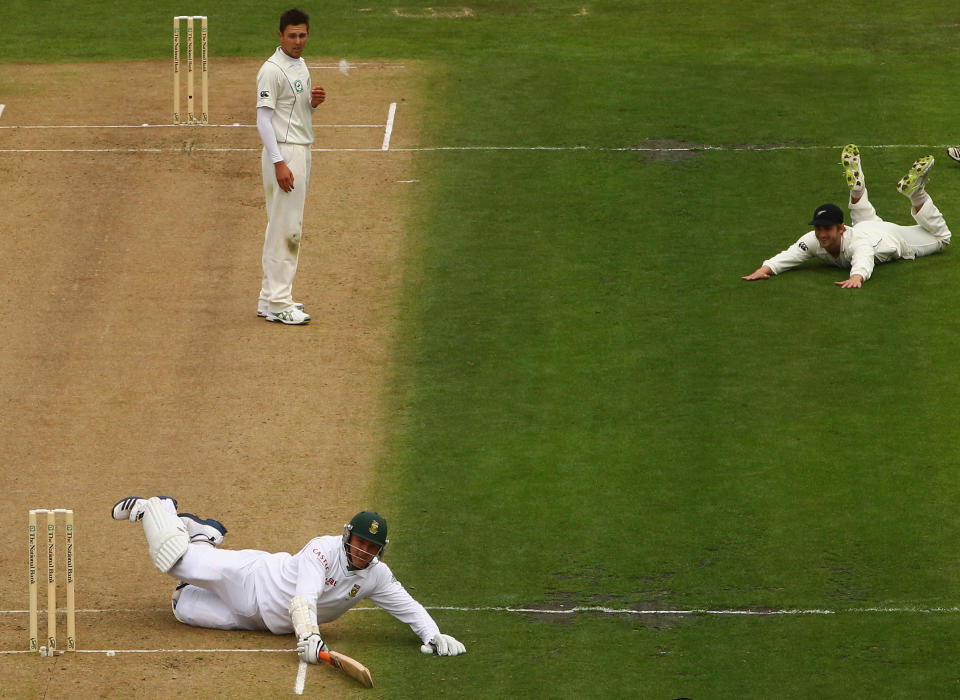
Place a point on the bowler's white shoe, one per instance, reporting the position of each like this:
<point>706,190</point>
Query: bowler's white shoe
<point>954,153</point>
<point>292,316</point>
<point>262,308</point>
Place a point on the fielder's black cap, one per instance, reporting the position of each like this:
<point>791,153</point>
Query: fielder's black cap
<point>827,215</point>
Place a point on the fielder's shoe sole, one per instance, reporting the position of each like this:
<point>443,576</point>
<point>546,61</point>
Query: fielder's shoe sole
<point>954,153</point>
<point>916,176</point>
<point>850,160</point>
<point>262,311</point>
<point>291,316</point>
<point>205,530</point>
<point>125,506</point>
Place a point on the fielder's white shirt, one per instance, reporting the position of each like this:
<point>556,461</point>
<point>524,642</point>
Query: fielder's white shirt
<point>283,85</point>
<point>861,247</point>
<point>319,572</point>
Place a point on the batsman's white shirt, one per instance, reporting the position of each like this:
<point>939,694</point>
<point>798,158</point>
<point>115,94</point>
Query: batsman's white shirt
<point>251,589</point>
<point>870,240</point>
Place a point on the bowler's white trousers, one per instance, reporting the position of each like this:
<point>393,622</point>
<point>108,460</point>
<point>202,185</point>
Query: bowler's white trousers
<point>281,242</point>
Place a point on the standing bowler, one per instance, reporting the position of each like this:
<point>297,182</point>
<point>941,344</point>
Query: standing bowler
<point>285,105</point>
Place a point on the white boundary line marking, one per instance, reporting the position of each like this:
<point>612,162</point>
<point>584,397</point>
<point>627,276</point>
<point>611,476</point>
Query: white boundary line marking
<point>388,129</point>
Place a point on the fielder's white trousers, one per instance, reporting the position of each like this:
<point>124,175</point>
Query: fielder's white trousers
<point>929,236</point>
<point>281,242</point>
<point>221,594</point>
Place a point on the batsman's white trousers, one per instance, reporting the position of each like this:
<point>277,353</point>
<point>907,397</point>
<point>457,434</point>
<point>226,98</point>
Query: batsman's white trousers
<point>929,236</point>
<point>281,241</point>
<point>222,593</point>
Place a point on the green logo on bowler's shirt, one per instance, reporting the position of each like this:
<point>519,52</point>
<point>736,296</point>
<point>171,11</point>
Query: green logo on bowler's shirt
<point>298,86</point>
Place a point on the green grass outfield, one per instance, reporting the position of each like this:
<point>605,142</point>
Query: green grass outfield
<point>590,408</point>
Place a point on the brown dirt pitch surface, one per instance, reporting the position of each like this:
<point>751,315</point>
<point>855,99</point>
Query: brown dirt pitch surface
<point>133,362</point>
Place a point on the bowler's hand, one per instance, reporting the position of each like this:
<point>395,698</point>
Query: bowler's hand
<point>317,95</point>
<point>855,282</point>
<point>284,176</point>
<point>761,273</point>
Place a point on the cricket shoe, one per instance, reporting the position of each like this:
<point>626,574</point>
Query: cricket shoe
<point>850,160</point>
<point>262,309</point>
<point>208,531</point>
<point>954,153</point>
<point>916,176</point>
<point>131,507</point>
<point>292,316</point>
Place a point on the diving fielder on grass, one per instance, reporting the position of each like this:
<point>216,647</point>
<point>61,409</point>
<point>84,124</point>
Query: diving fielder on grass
<point>869,239</point>
<point>283,593</point>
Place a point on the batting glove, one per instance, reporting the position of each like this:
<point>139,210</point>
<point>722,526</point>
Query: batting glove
<point>309,647</point>
<point>444,645</point>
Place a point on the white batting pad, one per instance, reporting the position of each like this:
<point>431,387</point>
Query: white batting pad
<point>166,535</point>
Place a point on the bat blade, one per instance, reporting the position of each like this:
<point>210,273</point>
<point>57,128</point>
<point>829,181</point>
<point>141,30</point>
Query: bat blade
<point>350,667</point>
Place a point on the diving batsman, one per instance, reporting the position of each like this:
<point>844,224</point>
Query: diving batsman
<point>280,592</point>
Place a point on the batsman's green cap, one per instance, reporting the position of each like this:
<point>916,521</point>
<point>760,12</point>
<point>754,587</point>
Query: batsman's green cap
<point>369,526</point>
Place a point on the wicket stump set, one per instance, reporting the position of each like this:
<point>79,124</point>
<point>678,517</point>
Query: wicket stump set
<point>191,116</point>
<point>50,649</point>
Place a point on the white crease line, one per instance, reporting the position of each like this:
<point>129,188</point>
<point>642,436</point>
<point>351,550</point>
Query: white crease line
<point>167,651</point>
<point>597,609</point>
<point>354,65</point>
<point>301,678</point>
<point>388,130</point>
<point>174,126</point>
<point>696,611</point>
<point>538,611</point>
<point>428,149</point>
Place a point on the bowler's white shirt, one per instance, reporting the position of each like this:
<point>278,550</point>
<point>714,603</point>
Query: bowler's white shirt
<point>283,85</point>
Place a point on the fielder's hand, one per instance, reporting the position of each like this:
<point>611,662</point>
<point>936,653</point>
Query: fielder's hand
<point>444,645</point>
<point>309,647</point>
<point>855,282</point>
<point>761,273</point>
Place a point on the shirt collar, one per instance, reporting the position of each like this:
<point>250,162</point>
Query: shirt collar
<point>291,61</point>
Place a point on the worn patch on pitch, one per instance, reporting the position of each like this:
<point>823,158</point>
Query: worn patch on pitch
<point>433,12</point>
<point>666,150</point>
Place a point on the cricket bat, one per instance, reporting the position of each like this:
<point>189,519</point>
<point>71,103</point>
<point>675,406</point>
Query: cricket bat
<point>351,667</point>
